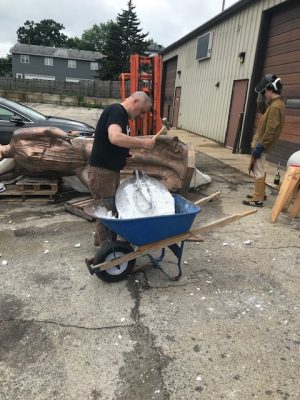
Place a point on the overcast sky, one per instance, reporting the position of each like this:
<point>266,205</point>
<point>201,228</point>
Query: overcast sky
<point>165,20</point>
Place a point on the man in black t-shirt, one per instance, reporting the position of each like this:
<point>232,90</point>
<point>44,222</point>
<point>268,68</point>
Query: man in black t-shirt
<point>111,149</point>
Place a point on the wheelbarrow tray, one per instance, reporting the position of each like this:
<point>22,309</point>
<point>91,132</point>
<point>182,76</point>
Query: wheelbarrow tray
<point>141,231</point>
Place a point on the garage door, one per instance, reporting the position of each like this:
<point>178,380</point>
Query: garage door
<point>282,58</point>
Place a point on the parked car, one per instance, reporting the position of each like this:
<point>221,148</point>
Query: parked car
<point>15,115</point>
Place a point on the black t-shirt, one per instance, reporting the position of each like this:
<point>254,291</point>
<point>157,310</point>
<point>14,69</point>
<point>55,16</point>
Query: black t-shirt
<point>104,153</point>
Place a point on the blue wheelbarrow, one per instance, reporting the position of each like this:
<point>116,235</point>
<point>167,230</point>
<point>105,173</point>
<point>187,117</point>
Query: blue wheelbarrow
<point>115,260</point>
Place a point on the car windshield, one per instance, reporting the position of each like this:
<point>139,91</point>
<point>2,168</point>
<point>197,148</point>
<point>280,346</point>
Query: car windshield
<point>26,111</point>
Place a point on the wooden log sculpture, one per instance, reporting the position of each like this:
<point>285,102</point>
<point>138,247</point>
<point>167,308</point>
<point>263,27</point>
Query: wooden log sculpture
<point>52,152</point>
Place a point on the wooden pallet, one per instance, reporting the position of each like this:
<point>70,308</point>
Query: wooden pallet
<point>30,189</point>
<point>76,207</point>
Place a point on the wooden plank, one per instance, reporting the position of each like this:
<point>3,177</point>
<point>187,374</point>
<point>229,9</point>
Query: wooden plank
<point>76,207</point>
<point>205,200</point>
<point>289,184</point>
<point>79,212</point>
<point>295,209</point>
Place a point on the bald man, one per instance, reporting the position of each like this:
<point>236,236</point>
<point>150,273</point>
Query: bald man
<point>110,150</point>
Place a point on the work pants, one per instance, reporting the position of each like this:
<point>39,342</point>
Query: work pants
<point>103,183</point>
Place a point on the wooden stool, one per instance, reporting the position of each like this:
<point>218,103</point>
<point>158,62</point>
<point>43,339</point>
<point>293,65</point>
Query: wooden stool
<point>289,187</point>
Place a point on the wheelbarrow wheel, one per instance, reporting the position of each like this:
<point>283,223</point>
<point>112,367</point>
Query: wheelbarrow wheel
<point>109,252</point>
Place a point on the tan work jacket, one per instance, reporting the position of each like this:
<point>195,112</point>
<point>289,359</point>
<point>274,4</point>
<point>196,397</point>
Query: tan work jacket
<point>270,125</point>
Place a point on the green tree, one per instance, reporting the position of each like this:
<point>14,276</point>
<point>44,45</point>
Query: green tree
<point>5,66</point>
<point>112,48</point>
<point>124,38</point>
<point>133,40</point>
<point>80,44</point>
<point>96,36</point>
<point>43,33</point>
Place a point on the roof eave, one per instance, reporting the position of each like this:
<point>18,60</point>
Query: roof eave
<point>219,17</point>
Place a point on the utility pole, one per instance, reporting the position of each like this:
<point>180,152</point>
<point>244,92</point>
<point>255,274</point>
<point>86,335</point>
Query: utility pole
<point>223,5</point>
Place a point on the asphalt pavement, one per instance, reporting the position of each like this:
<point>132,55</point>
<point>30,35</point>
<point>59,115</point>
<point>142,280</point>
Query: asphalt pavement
<point>228,329</point>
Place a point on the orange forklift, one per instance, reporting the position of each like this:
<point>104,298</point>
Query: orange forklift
<point>145,75</point>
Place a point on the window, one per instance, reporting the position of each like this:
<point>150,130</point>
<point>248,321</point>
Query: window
<point>48,61</point>
<point>19,76</point>
<point>24,58</point>
<point>71,63</point>
<point>41,77</point>
<point>5,114</point>
<point>94,66</point>
<point>74,80</point>
<point>204,44</point>
<point>293,103</point>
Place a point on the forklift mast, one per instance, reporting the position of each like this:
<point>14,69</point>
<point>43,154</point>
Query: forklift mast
<point>145,75</point>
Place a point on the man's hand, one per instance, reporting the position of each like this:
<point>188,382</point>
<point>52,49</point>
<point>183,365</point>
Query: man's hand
<point>148,143</point>
<point>257,151</point>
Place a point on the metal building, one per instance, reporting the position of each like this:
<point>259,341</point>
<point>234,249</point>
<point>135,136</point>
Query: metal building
<point>209,75</point>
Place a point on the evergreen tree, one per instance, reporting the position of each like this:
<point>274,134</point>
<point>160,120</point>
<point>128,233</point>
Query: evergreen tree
<point>124,38</point>
<point>133,40</point>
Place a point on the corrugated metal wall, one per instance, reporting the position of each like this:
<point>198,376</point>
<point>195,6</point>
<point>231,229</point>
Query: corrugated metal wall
<point>204,108</point>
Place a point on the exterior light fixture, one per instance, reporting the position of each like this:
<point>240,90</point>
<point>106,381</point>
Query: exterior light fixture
<point>242,55</point>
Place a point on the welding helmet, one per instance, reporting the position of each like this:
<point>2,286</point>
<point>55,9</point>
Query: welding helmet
<point>270,82</point>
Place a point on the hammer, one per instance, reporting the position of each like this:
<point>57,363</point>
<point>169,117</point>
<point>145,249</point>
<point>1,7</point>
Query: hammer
<point>162,130</point>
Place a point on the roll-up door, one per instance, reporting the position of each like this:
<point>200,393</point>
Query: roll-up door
<point>282,58</point>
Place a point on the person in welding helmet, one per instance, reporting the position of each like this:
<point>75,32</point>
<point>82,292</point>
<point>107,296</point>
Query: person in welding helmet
<point>272,106</point>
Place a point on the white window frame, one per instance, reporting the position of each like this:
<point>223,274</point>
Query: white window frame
<point>24,59</point>
<point>42,77</point>
<point>71,63</point>
<point>48,61</point>
<point>19,76</point>
<point>94,66</point>
<point>208,34</point>
<point>74,80</point>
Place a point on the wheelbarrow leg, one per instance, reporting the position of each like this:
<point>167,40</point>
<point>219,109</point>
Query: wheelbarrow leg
<point>177,250</point>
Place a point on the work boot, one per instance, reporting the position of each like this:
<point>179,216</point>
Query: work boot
<point>259,194</point>
<point>253,203</point>
<point>250,196</point>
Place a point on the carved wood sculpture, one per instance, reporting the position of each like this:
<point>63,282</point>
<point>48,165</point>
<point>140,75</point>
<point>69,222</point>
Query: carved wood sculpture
<point>52,152</point>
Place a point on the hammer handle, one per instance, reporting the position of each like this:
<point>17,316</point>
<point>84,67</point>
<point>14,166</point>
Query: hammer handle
<point>163,129</point>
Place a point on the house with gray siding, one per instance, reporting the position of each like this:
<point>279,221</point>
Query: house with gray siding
<point>52,63</point>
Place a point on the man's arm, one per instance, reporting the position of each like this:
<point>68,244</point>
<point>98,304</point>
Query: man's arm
<point>118,138</point>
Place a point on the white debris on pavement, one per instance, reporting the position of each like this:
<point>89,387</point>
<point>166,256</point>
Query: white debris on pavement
<point>185,262</point>
<point>46,251</point>
<point>77,245</point>
<point>4,263</point>
<point>225,244</point>
<point>247,242</point>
